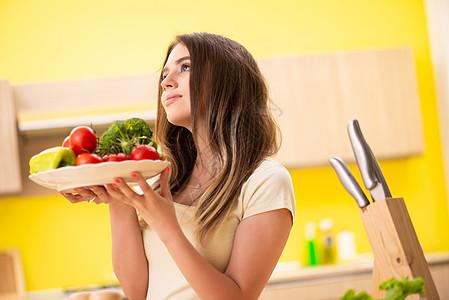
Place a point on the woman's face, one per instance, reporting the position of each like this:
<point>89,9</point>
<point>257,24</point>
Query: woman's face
<point>176,87</point>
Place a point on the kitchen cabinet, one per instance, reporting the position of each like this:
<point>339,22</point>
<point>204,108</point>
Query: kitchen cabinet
<point>53,108</point>
<point>315,96</point>
<point>331,282</point>
<point>10,179</point>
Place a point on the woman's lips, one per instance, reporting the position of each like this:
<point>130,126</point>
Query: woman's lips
<point>171,98</point>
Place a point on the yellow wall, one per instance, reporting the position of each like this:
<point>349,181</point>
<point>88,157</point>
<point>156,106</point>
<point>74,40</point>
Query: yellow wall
<point>46,40</point>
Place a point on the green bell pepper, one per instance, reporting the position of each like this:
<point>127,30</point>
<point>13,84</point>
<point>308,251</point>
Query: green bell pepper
<point>52,158</point>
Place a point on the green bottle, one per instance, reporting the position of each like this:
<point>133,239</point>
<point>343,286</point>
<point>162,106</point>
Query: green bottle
<point>311,252</point>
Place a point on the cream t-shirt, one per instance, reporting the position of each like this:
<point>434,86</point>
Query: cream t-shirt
<point>268,188</point>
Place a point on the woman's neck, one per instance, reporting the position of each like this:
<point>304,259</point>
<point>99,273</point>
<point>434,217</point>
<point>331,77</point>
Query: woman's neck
<point>205,165</point>
<point>205,161</point>
<point>203,171</point>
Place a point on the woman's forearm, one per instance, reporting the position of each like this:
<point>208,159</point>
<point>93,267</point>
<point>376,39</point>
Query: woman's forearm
<point>128,254</point>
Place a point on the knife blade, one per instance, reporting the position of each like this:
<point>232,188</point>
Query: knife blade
<point>348,181</point>
<point>369,168</point>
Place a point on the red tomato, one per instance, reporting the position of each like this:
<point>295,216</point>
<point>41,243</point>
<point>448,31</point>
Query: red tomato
<point>144,152</point>
<point>88,158</point>
<point>83,139</point>
<point>66,142</point>
<point>115,157</point>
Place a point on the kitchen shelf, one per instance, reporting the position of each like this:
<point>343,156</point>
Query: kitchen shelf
<point>54,108</point>
<point>63,125</point>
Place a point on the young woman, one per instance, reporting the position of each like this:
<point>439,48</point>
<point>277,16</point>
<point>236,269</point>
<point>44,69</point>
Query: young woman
<point>214,226</point>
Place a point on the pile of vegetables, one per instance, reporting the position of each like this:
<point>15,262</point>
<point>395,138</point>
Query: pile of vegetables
<point>125,139</point>
<point>397,289</point>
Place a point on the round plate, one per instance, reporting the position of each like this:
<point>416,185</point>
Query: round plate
<point>65,179</point>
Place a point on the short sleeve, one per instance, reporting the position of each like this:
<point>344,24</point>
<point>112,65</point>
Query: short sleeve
<point>268,188</point>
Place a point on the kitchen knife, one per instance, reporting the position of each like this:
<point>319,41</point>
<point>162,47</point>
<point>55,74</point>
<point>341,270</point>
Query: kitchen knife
<point>348,181</point>
<point>369,168</point>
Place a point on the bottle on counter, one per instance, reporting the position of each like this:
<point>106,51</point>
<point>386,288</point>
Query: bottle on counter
<point>327,242</point>
<point>346,247</point>
<point>311,253</point>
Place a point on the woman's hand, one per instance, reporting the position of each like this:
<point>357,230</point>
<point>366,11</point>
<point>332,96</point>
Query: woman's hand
<point>156,209</point>
<point>96,194</point>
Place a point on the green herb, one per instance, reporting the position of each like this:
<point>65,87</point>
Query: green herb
<point>400,289</point>
<point>397,289</point>
<point>350,295</point>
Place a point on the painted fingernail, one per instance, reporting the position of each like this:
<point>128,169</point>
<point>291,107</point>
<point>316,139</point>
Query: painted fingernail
<point>113,185</point>
<point>117,181</point>
<point>168,170</point>
<point>62,194</point>
<point>133,175</point>
<point>76,190</point>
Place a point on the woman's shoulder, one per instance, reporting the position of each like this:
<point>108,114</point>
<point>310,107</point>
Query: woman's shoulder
<point>269,168</point>
<point>269,172</point>
<point>269,187</point>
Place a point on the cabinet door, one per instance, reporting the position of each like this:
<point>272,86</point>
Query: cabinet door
<point>10,179</point>
<point>315,96</point>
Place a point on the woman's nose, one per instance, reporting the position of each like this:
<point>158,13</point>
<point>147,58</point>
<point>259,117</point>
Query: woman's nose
<point>169,81</point>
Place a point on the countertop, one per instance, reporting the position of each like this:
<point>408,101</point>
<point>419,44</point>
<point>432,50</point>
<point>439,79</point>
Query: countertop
<point>288,271</point>
<point>291,272</point>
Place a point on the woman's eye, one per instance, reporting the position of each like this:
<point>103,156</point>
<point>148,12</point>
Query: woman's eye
<point>185,67</point>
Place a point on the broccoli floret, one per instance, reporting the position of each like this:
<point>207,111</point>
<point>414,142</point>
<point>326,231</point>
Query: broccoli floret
<point>124,135</point>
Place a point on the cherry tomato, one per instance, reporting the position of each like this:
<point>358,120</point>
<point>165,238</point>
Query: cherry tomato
<point>115,157</point>
<point>88,158</point>
<point>66,142</point>
<point>83,139</point>
<point>144,152</point>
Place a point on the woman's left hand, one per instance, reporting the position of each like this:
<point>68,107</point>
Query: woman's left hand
<point>156,209</point>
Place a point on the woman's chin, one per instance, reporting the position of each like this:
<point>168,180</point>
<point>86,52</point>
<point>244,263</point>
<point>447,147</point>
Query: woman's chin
<point>182,122</point>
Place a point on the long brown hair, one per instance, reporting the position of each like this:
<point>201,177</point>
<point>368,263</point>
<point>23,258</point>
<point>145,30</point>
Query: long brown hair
<point>229,93</point>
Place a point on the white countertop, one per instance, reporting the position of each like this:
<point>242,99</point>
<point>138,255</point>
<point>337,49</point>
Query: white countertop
<point>293,271</point>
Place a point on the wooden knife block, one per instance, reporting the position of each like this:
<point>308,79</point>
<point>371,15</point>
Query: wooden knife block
<point>396,249</point>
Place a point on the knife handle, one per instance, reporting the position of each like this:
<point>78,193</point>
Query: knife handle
<point>348,181</point>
